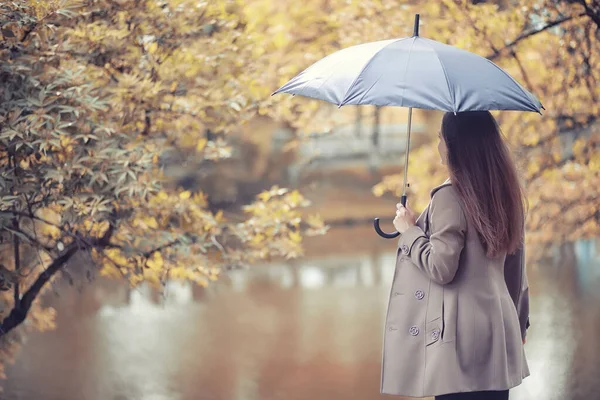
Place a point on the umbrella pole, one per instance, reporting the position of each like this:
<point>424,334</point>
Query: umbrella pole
<point>403,198</point>
<point>406,185</point>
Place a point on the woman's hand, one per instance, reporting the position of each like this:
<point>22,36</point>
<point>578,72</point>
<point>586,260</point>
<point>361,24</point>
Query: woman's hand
<point>405,218</point>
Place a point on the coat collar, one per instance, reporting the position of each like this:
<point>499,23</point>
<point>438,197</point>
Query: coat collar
<point>435,189</point>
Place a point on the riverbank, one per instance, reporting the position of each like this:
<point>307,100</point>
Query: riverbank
<point>345,197</point>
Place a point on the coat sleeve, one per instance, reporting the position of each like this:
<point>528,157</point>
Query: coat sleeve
<point>438,256</point>
<point>515,276</point>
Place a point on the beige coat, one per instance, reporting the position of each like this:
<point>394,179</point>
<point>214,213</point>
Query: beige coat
<point>456,318</point>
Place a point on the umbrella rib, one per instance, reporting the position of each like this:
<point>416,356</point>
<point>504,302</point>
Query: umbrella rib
<point>414,38</point>
<point>343,102</point>
<point>405,69</point>
<point>525,92</point>
<point>326,80</point>
<point>450,90</point>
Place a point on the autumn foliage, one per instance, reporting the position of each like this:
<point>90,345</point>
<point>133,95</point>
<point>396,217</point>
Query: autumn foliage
<point>94,94</point>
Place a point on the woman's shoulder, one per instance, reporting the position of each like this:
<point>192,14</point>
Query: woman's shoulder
<point>446,200</point>
<point>445,193</point>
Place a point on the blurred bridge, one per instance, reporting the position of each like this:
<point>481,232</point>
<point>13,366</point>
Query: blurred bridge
<point>350,146</point>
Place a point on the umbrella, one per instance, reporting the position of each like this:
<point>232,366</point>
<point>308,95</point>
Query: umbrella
<point>413,72</point>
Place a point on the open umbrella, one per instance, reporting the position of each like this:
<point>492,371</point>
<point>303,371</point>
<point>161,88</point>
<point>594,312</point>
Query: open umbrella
<point>412,72</point>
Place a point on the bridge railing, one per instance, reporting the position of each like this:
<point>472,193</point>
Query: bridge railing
<point>342,144</point>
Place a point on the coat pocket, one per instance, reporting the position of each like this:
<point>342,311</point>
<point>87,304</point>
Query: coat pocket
<point>433,331</point>
<point>449,315</point>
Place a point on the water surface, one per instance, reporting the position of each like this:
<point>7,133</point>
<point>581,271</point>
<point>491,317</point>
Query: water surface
<point>303,330</point>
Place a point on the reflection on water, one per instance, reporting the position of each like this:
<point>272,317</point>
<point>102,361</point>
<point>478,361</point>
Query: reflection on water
<point>308,329</point>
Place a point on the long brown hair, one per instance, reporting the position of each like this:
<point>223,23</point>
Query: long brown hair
<point>484,174</point>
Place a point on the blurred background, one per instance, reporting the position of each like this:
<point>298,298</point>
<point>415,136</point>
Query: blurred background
<point>243,263</point>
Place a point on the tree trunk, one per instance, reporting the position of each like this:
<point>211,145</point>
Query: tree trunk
<point>375,139</point>
<point>19,312</point>
<point>358,122</point>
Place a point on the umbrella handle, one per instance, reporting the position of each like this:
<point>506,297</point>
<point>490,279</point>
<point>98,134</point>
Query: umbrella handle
<point>378,228</point>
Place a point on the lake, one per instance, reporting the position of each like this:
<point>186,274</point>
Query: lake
<point>307,329</point>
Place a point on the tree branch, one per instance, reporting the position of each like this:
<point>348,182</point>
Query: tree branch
<point>17,257</point>
<point>522,69</point>
<point>546,167</point>
<point>162,247</point>
<point>20,311</point>
<point>495,50</point>
<point>578,223</point>
<point>30,216</point>
<point>574,129</point>
<point>498,52</point>
<point>45,221</point>
<point>15,232</point>
<point>589,11</point>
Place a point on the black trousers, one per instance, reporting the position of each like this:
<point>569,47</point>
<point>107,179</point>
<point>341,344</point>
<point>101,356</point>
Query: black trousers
<point>492,395</point>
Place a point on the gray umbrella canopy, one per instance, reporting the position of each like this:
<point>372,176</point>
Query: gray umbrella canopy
<point>412,72</point>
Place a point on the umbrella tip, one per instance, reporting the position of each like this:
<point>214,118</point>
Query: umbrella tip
<point>539,110</point>
<point>416,30</point>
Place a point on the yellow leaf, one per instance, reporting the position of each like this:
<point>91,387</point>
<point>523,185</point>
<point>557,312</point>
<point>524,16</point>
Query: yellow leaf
<point>110,271</point>
<point>152,47</point>
<point>185,195</point>
<point>116,256</point>
<point>98,229</point>
<point>280,40</point>
<point>579,147</point>
<point>264,196</point>
<point>533,168</point>
<point>295,237</point>
<point>201,281</point>
<point>257,239</point>
<point>315,221</point>
<point>155,262</point>
<point>151,222</point>
<point>595,162</point>
<point>294,198</point>
<point>201,144</point>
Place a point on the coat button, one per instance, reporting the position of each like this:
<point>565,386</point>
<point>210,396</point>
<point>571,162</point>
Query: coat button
<point>405,249</point>
<point>413,330</point>
<point>435,335</point>
<point>419,294</point>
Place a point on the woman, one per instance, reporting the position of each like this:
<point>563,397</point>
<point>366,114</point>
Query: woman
<point>458,309</point>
